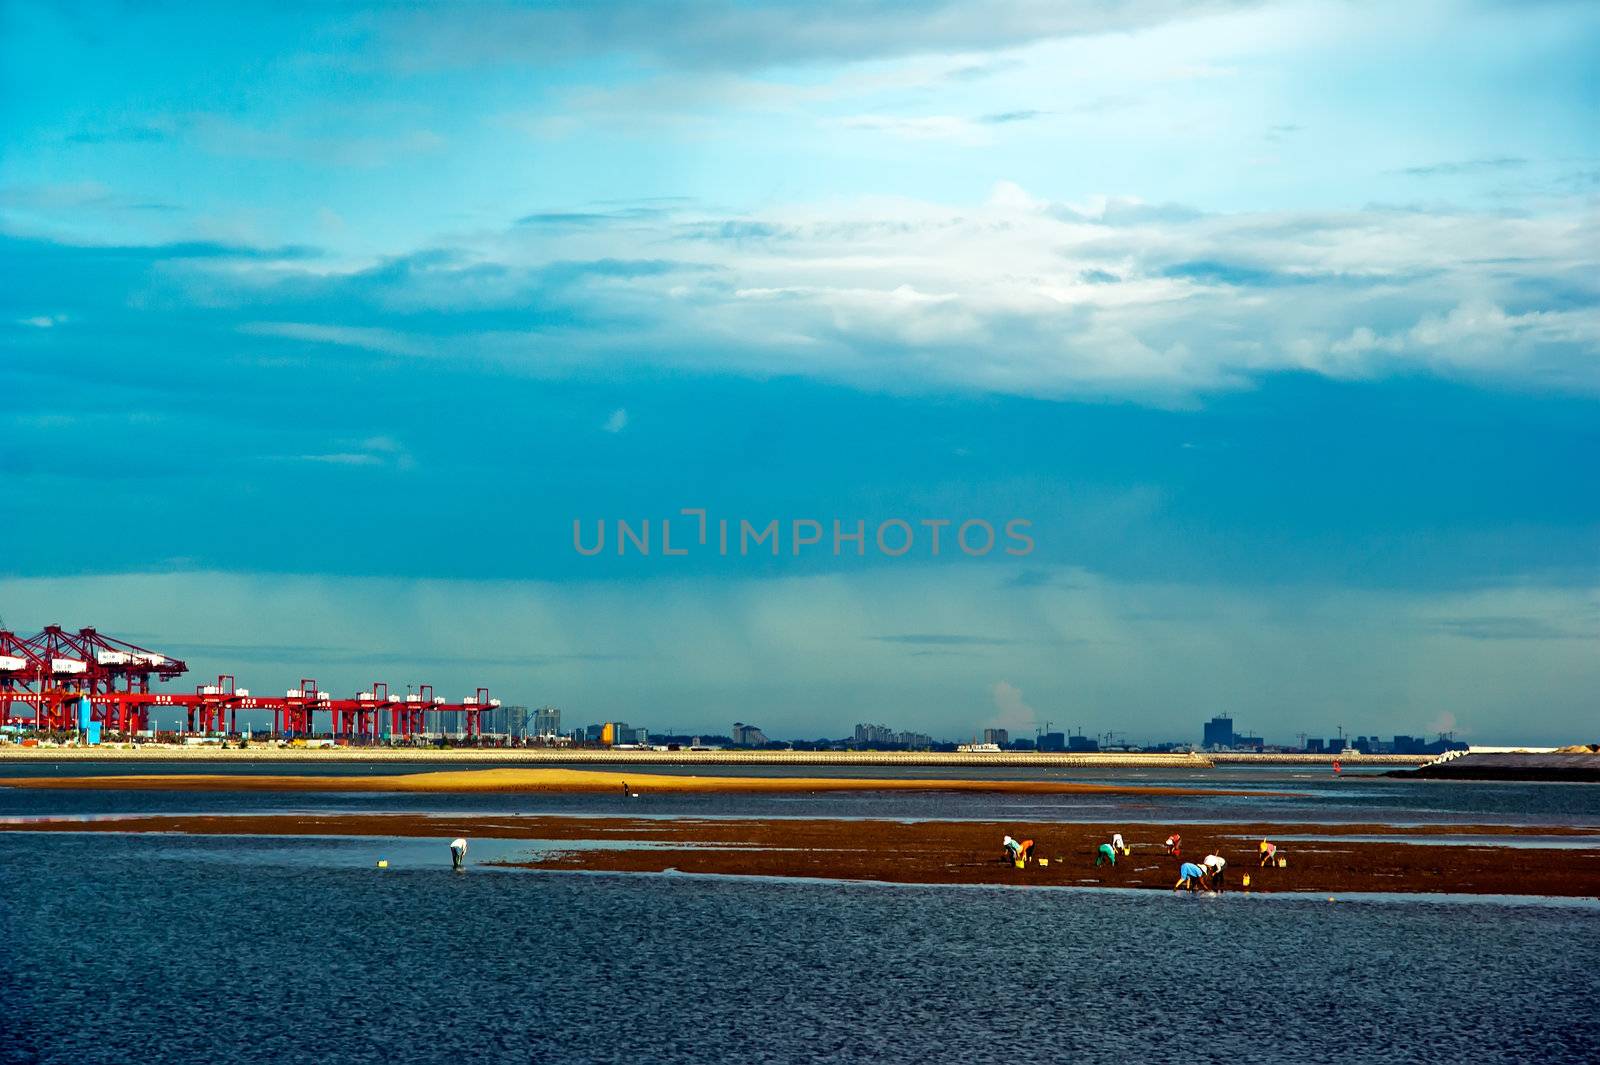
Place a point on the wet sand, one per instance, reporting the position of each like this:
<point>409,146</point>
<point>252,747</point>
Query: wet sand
<point>938,852</point>
<point>584,780</point>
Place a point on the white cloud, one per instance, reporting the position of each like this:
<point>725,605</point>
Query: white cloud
<point>344,458</point>
<point>1015,294</point>
<point>724,36</point>
<point>372,451</point>
<point>1010,711</point>
<point>389,341</point>
<point>919,128</point>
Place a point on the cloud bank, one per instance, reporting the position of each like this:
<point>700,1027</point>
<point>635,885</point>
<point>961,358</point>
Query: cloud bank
<point>1015,295</point>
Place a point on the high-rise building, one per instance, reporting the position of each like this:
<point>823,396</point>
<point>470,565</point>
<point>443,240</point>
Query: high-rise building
<point>996,735</point>
<point>1219,732</point>
<point>547,721</point>
<point>513,721</point>
<point>1052,741</point>
<point>748,735</point>
<point>874,734</point>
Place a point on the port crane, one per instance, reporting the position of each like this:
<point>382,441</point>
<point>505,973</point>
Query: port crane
<point>85,680</point>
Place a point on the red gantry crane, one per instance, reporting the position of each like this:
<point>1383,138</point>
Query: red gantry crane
<point>46,679</point>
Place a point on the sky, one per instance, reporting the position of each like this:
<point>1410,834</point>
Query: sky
<point>333,336</point>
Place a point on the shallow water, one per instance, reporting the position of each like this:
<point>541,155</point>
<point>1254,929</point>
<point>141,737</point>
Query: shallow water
<point>1315,796</point>
<point>201,949</point>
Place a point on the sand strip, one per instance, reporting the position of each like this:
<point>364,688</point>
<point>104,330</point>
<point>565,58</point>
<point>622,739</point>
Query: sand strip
<point>583,780</point>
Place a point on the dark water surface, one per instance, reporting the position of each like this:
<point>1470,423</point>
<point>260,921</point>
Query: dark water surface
<point>1315,795</point>
<point>201,949</point>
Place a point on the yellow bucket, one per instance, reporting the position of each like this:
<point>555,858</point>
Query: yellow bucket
<point>1020,863</point>
<point>1283,863</point>
<point>1044,861</point>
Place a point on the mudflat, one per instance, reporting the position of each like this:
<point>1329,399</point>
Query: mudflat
<point>949,852</point>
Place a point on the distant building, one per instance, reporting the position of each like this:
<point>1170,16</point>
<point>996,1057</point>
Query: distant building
<point>1052,741</point>
<point>620,732</point>
<point>1248,743</point>
<point>884,736</point>
<point>996,735</point>
<point>1314,746</point>
<point>513,720</point>
<point>748,735</point>
<point>547,721</point>
<point>1082,744</point>
<point>1218,732</point>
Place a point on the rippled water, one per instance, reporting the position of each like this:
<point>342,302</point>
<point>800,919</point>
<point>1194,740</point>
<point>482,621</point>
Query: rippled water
<point>1314,796</point>
<point>185,949</point>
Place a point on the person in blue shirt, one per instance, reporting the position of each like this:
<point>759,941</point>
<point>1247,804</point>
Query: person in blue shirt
<point>1190,876</point>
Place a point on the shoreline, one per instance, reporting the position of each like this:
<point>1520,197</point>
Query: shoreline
<point>948,852</point>
<point>268,752</point>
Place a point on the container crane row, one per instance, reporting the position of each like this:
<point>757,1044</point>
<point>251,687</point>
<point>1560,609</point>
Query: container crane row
<point>59,680</point>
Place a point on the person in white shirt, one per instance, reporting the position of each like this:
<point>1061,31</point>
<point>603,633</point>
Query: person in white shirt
<point>1214,864</point>
<point>458,853</point>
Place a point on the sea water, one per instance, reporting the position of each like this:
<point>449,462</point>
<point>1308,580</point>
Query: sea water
<point>165,948</point>
<point>1270,793</point>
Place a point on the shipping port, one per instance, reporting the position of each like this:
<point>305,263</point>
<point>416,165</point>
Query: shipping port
<point>99,686</point>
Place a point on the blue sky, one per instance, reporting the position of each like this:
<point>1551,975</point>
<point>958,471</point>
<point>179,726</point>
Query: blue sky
<point>323,323</point>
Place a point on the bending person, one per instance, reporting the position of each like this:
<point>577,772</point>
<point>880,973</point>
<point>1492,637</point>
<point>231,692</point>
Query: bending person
<point>1190,877</point>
